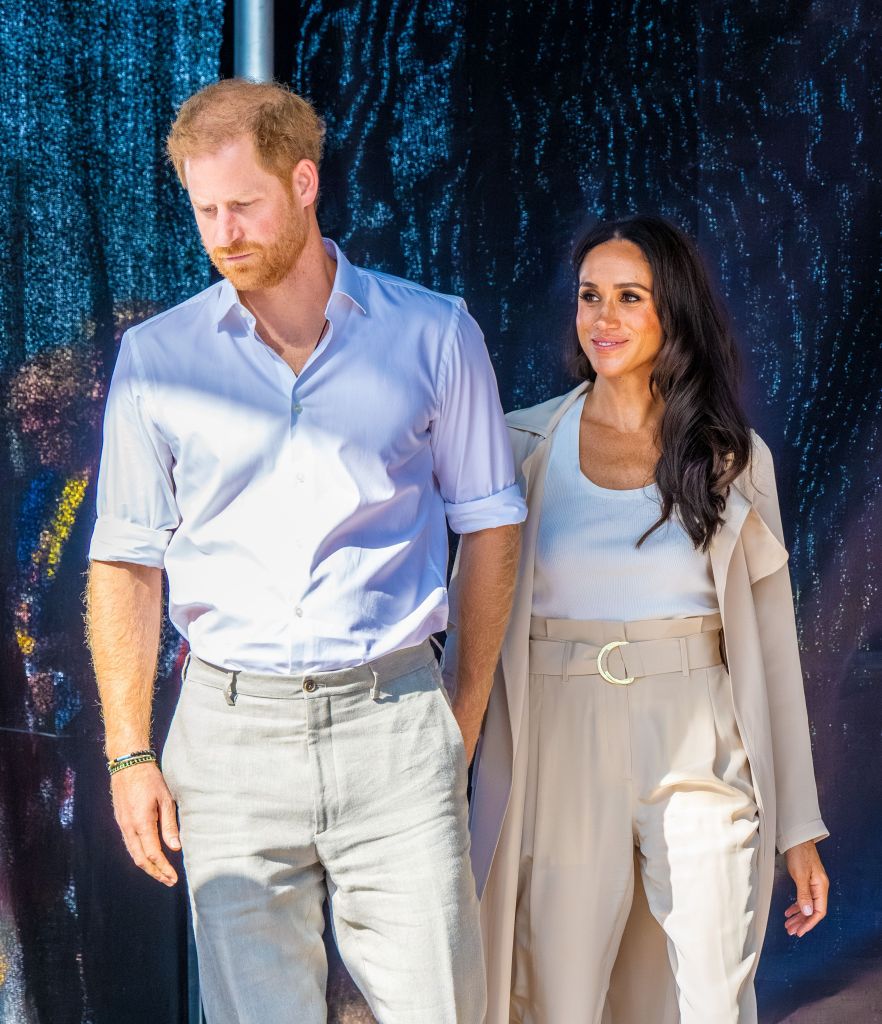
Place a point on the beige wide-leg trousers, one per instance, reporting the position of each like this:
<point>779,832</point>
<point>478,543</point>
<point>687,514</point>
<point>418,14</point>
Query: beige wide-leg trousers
<point>657,765</point>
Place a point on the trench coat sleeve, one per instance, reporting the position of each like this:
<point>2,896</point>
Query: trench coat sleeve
<point>798,815</point>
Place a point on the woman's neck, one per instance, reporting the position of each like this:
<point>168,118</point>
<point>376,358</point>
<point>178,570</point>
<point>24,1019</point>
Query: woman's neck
<point>625,404</point>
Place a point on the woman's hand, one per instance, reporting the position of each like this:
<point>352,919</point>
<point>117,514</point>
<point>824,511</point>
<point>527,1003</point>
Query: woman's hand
<point>812,887</point>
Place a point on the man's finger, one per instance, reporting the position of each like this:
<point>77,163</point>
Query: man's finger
<point>168,822</point>
<point>149,837</point>
<point>140,858</point>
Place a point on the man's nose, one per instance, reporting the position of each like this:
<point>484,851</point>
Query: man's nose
<point>227,228</point>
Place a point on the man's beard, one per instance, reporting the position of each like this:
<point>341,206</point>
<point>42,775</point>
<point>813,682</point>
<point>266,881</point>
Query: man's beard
<point>268,265</point>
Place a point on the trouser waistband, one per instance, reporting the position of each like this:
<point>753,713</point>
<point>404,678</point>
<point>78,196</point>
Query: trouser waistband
<point>621,652</point>
<point>281,687</point>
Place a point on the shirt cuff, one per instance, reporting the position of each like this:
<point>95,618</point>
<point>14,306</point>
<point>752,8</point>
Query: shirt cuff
<point>504,508</point>
<point>115,540</point>
<point>816,830</point>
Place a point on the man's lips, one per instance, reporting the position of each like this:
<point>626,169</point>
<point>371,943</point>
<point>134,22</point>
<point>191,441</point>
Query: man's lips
<point>608,344</point>
<point>238,256</point>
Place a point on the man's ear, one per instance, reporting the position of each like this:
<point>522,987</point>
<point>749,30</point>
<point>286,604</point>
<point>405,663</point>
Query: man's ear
<point>305,182</point>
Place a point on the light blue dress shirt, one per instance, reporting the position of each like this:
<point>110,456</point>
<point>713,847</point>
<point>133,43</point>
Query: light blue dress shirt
<point>301,518</point>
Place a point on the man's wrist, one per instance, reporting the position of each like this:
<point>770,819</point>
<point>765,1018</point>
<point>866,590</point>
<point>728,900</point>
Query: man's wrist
<point>142,755</point>
<point>119,744</point>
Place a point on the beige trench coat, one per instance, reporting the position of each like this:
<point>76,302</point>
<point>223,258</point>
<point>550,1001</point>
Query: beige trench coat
<point>749,564</point>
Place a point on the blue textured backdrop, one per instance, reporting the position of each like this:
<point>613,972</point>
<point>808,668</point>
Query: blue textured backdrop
<point>95,234</point>
<point>467,143</point>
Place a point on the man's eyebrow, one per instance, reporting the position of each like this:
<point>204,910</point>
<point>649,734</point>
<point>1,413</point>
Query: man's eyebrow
<point>233,199</point>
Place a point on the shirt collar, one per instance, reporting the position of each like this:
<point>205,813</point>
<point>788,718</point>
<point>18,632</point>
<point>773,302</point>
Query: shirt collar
<point>347,281</point>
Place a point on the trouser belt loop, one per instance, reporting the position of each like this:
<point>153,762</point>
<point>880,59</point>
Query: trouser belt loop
<point>230,693</point>
<point>185,666</point>
<point>375,689</point>
<point>565,668</point>
<point>684,655</point>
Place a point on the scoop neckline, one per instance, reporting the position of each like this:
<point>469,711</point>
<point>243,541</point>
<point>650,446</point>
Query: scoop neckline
<point>649,490</point>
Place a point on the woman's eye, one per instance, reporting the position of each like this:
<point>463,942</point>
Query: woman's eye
<point>630,297</point>
<point>588,296</point>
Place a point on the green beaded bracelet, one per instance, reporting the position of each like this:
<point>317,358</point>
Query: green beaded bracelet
<point>117,764</point>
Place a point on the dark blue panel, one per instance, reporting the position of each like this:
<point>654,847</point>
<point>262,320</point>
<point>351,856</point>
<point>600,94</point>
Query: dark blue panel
<point>96,233</point>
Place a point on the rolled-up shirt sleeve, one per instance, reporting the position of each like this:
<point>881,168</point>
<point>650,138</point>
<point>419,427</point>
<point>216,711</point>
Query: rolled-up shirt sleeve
<point>472,455</point>
<point>137,512</point>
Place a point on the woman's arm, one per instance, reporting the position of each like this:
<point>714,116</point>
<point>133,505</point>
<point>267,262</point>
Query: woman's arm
<point>799,823</point>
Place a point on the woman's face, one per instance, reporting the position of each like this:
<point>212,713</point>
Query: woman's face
<point>616,321</point>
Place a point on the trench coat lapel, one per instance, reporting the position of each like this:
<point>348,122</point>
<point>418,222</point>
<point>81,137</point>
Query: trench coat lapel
<point>540,421</point>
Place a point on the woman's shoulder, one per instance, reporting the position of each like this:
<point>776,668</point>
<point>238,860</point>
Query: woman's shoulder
<point>760,450</point>
<point>759,474</point>
<point>540,419</point>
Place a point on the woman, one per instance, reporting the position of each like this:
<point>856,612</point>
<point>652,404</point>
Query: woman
<point>646,745</point>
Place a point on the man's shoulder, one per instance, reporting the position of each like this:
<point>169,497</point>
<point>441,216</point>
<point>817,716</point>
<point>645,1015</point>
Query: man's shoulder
<point>191,314</point>
<point>398,290</point>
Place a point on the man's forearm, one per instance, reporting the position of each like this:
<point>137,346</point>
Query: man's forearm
<point>487,570</point>
<point>123,620</point>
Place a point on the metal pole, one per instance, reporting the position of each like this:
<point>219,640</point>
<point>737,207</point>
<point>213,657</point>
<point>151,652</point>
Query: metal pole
<point>253,40</point>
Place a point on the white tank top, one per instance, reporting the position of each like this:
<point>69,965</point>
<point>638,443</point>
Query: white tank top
<point>587,565</point>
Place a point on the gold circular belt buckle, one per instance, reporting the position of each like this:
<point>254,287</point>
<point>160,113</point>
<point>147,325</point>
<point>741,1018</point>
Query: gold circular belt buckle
<point>604,652</point>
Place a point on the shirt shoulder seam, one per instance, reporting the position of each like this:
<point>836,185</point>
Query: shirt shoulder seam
<point>448,344</point>
<point>146,386</point>
<point>199,297</point>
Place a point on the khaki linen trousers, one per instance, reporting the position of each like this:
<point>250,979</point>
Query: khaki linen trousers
<point>351,783</point>
<point>656,766</point>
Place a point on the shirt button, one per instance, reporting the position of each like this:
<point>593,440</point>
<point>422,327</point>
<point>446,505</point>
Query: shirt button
<point>298,611</point>
<point>300,478</point>
<point>298,408</point>
<point>310,685</point>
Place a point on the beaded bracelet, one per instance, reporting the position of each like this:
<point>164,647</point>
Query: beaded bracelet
<point>116,764</point>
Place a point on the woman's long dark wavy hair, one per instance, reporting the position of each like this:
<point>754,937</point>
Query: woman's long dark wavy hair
<point>704,436</point>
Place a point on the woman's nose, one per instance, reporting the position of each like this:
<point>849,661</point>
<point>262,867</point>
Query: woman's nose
<point>606,314</point>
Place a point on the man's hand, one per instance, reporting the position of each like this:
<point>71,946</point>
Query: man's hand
<point>123,618</point>
<point>485,581</point>
<point>469,721</point>
<point>143,807</point>
<point>812,887</point>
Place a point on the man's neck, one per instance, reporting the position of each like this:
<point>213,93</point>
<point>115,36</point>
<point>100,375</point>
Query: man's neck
<point>291,316</point>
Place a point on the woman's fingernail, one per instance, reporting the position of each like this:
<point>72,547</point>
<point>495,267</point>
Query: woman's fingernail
<point>808,909</point>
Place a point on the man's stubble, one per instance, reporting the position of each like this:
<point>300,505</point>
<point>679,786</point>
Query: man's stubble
<point>270,264</point>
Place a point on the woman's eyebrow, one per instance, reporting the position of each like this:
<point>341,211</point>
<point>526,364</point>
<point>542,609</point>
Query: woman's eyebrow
<point>624,284</point>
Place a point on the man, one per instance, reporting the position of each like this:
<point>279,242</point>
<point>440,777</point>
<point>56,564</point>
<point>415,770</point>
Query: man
<point>285,445</point>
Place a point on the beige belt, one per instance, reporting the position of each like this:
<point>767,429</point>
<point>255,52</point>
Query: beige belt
<point>623,661</point>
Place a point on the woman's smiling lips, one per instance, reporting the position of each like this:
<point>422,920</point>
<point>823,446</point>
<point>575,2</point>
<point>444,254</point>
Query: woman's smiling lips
<point>608,344</point>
